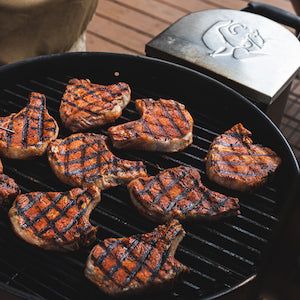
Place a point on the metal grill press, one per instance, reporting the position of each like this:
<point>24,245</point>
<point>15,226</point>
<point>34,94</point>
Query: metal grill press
<point>221,255</point>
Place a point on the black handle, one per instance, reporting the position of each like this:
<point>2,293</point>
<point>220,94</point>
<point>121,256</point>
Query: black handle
<point>274,13</point>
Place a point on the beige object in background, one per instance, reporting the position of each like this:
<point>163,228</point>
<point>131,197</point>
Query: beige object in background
<point>37,27</point>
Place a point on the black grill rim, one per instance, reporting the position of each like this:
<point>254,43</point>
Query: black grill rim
<point>7,76</point>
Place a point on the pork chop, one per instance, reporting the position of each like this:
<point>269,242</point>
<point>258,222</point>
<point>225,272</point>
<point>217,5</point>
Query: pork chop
<point>54,220</point>
<point>8,188</point>
<point>33,129</point>
<point>233,161</point>
<point>86,105</point>
<point>178,193</point>
<point>140,263</point>
<point>165,125</point>
<point>84,159</point>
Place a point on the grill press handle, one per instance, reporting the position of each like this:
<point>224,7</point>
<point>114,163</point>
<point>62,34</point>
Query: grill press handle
<point>274,13</point>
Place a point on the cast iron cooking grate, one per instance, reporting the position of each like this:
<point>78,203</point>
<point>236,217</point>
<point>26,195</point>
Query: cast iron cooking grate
<point>221,255</point>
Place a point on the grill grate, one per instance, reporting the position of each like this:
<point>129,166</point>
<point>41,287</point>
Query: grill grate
<point>220,255</point>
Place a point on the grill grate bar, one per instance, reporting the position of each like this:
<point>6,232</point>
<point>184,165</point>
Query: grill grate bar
<point>33,280</point>
<point>206,130</point>
<point>48,97</point>
<point>191,285</point>
<point>261,226</point>
<point>24,287</point>
<point>62,83</point>
<point>231,239</point>
<point>212,279</point>
<point>25,99</point>
<point>221,249</point>
<point>246,232</point>
<point>202,139</point>
<point>265,198</point>
<point>31,179</point>
<point>116,218</point>
<point>259,212</point>
<point>210,263</point>
<point>177,161</point>
<point>198,148</point>
<point>47,87</point>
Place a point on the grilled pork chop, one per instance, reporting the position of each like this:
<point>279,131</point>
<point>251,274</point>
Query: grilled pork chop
<point>179,193</point>
<point>55,221</point>
<point>8,188</point>
<point>87,105</point>
<point>138,263</point>
<point>165,126</point>
<point>83,159</point>
<point>34,129</point>
<point>235,162</point>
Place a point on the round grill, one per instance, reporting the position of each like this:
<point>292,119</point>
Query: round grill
<point>221,255</point>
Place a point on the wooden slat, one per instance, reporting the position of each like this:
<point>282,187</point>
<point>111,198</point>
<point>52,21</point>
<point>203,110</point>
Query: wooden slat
<point>191,5</point>
<point>156,9</point>
<point>136,20</point>
<point>120,35</point>
<point>94,43</point>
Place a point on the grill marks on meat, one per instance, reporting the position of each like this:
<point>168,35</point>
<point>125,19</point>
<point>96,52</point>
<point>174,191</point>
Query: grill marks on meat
<point>83,159</point>
<point>165,126</point>
<point>179,193</point>
<point>8,188</point>
<point>138,263</point>
<point>85,105</point>
<point>55,221</point>
<point>34,129</point>
<point>235,162</point>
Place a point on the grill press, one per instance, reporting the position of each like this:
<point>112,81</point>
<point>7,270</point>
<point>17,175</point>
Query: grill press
<point>222,255</point>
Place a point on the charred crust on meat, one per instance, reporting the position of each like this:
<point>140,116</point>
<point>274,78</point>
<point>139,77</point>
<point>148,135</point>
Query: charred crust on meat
<point>54,220</point>
<point>139,263</point>
<point>34,129</point>
<point>179,193</point>
<point>165,125</point>
<point>86,105</point>
<point>233,161</point>
<point>84,159</point>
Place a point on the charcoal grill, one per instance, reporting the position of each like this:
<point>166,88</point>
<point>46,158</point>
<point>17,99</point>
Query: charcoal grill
<point>221,255</point>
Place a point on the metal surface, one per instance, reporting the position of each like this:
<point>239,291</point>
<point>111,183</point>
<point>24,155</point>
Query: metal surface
<point>256,56</point>
<point>222,256</point>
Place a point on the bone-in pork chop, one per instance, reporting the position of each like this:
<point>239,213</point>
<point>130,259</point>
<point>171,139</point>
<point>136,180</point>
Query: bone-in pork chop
<point>165,125</point>
<point>179,193</point>
<point>84,159</point>
<point>54,220</point>
<point>235,162</point>
<point>8,188</point>
<point>33,130</point>
<point>86,105</point>
<point>140,263</point>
